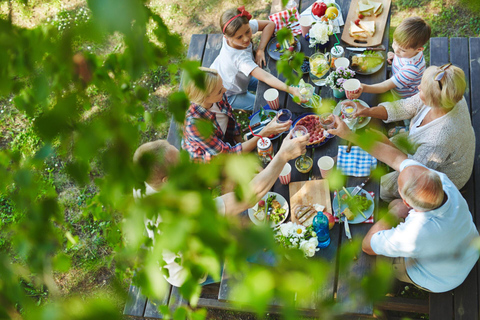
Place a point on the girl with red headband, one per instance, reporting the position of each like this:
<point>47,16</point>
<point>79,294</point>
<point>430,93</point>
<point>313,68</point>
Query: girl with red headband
<point>236,64</point>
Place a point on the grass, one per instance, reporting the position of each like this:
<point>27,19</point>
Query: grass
<point>91,270</point>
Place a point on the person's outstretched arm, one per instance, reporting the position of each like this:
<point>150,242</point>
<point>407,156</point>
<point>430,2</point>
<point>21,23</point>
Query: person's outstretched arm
<point>263,182</point>
<point>386,153</point>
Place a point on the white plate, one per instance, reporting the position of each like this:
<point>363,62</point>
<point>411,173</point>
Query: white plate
<point>338,108</point>
<point>282,202</point>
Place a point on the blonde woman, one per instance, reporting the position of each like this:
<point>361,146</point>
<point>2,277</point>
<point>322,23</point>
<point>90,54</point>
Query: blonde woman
<point>211,105</point>
<point>441,132</point>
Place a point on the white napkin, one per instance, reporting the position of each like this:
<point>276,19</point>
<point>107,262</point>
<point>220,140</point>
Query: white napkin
<point>337,23</point>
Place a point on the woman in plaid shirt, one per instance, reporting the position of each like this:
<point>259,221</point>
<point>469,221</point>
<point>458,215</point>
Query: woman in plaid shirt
<point>208,107</point>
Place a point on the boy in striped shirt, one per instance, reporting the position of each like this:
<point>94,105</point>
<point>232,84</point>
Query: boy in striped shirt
<point>408,62</point>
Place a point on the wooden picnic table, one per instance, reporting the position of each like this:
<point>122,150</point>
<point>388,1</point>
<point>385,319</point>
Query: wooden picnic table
<point>337,288</point>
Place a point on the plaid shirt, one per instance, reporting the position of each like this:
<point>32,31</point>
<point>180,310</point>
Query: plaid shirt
<point>204,148</point>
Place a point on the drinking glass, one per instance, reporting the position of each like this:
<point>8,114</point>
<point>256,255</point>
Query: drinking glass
<point>327,121</point>
<point>284,115</point>
<point>303,163</point>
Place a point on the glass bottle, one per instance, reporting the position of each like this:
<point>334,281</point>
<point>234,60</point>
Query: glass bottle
<point>320,226</point>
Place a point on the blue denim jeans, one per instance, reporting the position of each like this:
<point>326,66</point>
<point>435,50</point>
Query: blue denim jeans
<point>244,101</point>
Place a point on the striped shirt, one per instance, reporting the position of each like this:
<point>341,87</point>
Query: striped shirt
<point>407,74</point>
<point>203,148</point>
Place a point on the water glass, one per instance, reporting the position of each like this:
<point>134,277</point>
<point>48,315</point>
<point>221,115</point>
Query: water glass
<point>284,115</point>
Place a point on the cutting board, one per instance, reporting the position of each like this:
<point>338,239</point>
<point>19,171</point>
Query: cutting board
<point>380,23</point>
<point>308,193</point>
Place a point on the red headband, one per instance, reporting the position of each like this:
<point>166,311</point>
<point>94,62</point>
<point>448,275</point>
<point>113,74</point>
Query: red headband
<point>243,13</point>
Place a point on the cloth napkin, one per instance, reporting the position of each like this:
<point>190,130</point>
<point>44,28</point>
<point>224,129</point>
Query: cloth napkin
<point>369,220</point>
<point>337,23</point>
<point>357,163</point>
<point>281,20</point>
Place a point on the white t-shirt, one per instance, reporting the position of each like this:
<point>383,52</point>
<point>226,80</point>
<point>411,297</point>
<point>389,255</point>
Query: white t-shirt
<point>436,244</point>
<point>235,66</point>
<point>221,117</point>
<point>177,273</point>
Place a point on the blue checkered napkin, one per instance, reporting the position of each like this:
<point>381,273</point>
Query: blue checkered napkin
<point>357,163</point>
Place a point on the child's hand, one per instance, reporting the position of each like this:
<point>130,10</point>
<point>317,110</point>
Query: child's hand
<point>260,58</point>
<point>390,56</point>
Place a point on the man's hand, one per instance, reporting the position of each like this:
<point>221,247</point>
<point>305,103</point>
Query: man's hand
<point>260,58</point>
<point>341,129</point>
<point>296,93</point>
<point>390,56</point>
<point>274,127</point>
<point>293,148</point>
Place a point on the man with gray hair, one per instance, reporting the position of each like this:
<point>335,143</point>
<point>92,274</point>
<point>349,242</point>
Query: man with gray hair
<point>433,248</point>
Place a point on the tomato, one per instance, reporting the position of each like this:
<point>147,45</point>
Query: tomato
<point>360,16</point>
<point>357,22</point>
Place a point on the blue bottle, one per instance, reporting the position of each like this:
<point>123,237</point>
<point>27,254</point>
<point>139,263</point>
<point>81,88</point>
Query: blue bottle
<point>320,226</point>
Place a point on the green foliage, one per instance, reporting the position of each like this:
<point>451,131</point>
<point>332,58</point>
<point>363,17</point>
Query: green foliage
<point>85,113</point>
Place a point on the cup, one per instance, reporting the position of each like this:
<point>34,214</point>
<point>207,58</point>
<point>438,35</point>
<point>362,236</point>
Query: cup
<point>352,88</point>
<point>284,115</point>
<point>271,96</point>
<point>305,25</point>
<point>342,62</point>
<point>325,164</point>
<point>286,174</point>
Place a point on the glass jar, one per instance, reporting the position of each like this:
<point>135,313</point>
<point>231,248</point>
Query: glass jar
<point>336,52</point>
<point>319,68</point>
<point>265,150</point>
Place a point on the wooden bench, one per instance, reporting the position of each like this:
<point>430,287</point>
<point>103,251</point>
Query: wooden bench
<point>463,302</point>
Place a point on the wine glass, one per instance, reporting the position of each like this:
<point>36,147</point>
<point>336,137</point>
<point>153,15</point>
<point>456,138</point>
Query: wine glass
<point>303,163</point>
<point>284,115</point>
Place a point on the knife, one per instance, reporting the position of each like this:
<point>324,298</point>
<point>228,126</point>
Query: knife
<point>262,123</point>
<point>359,187</point>
<point>380,48</point>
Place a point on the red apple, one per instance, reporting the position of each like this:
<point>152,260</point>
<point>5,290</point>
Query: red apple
<point>331,220</point>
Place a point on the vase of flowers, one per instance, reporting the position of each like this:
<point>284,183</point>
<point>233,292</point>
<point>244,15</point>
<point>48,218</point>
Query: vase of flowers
<point>320,34</point>
<point>293,236</point>
<point>336,79</point>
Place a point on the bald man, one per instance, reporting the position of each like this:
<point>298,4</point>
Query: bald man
<point>432,248</point>
<point>166,155</point>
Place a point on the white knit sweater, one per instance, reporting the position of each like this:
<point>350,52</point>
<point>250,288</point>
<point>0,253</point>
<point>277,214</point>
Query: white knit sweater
<point>446,144</point>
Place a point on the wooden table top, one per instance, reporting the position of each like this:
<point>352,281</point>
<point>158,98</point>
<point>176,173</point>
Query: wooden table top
<point>336,288</point>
